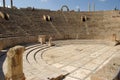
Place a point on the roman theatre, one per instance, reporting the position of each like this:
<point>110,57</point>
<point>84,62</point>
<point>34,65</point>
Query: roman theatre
<point>40,44</point>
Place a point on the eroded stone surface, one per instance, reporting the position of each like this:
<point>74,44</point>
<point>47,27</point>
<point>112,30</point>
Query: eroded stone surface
<point>15,63</point>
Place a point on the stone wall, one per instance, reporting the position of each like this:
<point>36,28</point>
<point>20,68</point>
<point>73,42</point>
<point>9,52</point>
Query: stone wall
<point>99,25</point>
<point>12,41</point>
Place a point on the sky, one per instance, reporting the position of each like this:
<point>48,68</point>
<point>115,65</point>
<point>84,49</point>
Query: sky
<point>72,4</point>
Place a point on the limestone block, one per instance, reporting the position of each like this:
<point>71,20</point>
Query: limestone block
<point>111,70</point>
<point>42,39</point>
<point>15,63</point>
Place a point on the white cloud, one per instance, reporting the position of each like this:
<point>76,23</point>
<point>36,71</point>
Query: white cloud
<point>44,0</point>
<point>103,0</point>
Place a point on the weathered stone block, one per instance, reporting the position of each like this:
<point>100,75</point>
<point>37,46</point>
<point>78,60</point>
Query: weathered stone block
<point>15,63</point>
<point>42,39</point>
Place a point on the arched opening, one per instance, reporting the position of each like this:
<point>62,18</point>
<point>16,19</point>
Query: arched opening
<point>64,8</point>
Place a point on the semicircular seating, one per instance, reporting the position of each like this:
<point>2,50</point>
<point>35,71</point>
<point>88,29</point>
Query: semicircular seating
<point>39,65</point>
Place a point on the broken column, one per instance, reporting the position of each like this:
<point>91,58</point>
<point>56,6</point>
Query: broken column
<point>93,6</point>
<point>50,41</point>
<point>42,39</point>
<point>11,3</point>
<point>3,3</point>
<point>15,63</point>
<point>89,7</point>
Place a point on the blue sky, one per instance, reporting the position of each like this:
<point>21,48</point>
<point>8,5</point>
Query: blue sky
<point>72,4</point>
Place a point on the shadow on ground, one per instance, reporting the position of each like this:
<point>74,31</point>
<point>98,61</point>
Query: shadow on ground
<point>117,77</point>
<point>2,59</point>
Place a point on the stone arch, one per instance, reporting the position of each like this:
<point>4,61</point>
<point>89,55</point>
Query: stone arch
<point>64,6</point>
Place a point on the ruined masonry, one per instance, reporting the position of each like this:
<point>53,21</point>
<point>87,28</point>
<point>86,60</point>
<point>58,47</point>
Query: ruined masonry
<point>15,63</point>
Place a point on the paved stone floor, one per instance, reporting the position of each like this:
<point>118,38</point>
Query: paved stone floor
<point>80,60</point>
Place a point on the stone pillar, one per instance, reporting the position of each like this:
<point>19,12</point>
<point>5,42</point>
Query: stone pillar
<point>15,63</point>
<point>50,41</point>
<point>3,3</point>
<point>113,37</point>
<point>42,39</point>
<point>89,7</point>
<point>11,3</point>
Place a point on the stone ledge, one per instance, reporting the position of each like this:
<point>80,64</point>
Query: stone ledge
<point>87,41</point>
